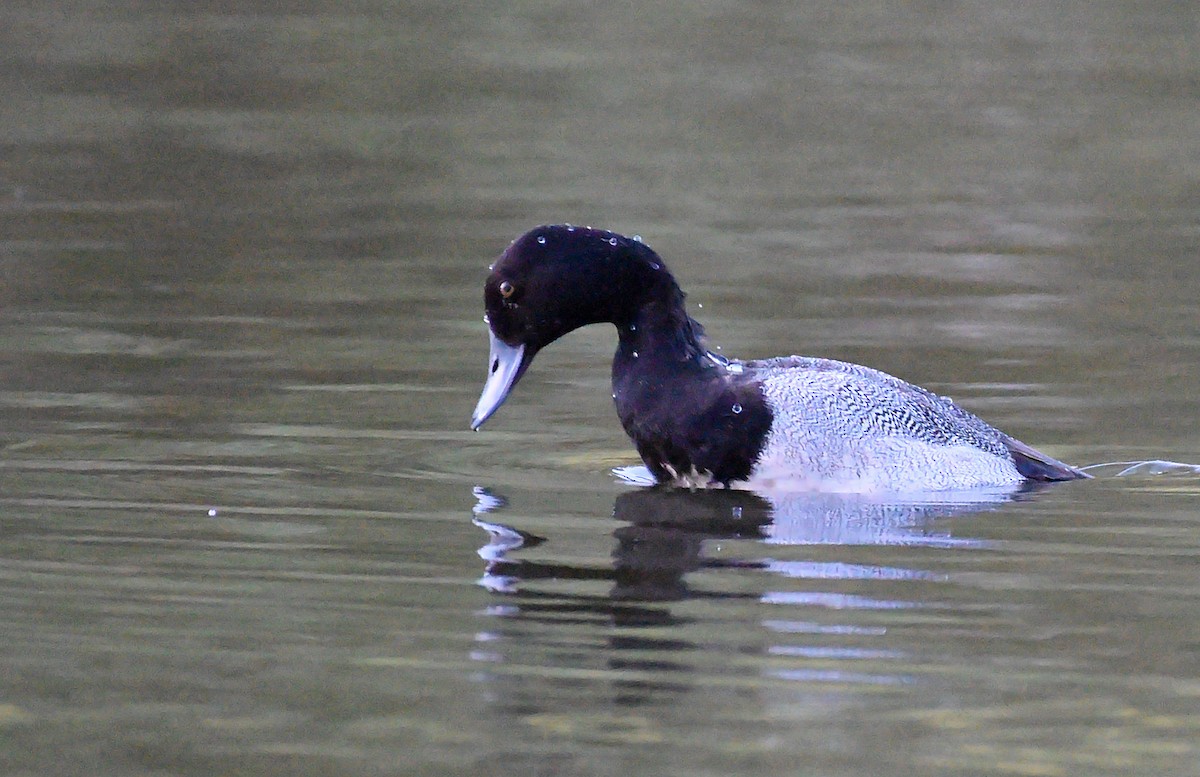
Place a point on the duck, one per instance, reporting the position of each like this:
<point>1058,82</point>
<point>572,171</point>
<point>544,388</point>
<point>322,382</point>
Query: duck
<point>699,419</point>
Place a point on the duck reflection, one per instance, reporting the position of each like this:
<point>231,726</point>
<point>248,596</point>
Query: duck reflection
<point>698,574</point>
<point>664,533</point>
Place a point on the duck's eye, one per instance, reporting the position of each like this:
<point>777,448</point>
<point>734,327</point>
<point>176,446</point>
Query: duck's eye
<point>506,289</point>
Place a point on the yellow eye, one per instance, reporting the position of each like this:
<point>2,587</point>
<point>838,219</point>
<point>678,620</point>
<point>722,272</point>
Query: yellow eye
<point>506,289</point>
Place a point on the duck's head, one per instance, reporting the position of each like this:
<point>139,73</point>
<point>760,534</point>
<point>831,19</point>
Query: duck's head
<point>555,279</point>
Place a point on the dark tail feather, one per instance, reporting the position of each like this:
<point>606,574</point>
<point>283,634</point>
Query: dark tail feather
<point>1036,465</point>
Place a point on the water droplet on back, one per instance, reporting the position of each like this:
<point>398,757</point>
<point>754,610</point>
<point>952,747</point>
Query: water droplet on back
<point>541,239</point>
<point>635,355</point>
<point>736,408</point>
<point>638,239</point>
<point>612,241</point>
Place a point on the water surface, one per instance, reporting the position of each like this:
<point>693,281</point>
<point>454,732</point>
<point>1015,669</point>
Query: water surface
<point>244,528</point>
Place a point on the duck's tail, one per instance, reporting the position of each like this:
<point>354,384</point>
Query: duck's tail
<point>1037,466</point>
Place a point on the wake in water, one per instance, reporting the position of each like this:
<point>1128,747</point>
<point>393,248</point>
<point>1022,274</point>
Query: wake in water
<point>1149,467</point>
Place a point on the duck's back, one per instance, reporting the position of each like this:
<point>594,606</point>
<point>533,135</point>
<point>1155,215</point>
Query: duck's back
<point>839,426</point>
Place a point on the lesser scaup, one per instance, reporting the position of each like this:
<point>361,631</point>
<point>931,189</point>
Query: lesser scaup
<point>700,419</point>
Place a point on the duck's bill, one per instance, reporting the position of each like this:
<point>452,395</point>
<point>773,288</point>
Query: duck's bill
<point>506,364</point>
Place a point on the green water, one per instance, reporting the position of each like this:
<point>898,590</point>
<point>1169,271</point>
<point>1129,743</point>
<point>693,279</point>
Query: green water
<point>241,259</point>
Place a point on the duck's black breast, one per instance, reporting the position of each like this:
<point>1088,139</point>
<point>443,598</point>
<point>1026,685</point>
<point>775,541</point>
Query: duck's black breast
<point>692,421</point>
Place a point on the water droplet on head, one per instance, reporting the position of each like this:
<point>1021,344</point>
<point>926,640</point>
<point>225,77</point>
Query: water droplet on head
<point>655,266</point>
<point>635,354</point>
<point>541,238</point>
<point>736,408</point>
<point>638,239</point>
<point>612,241</point>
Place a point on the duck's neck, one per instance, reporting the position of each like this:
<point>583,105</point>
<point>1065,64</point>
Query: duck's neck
<point>663,332</point>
